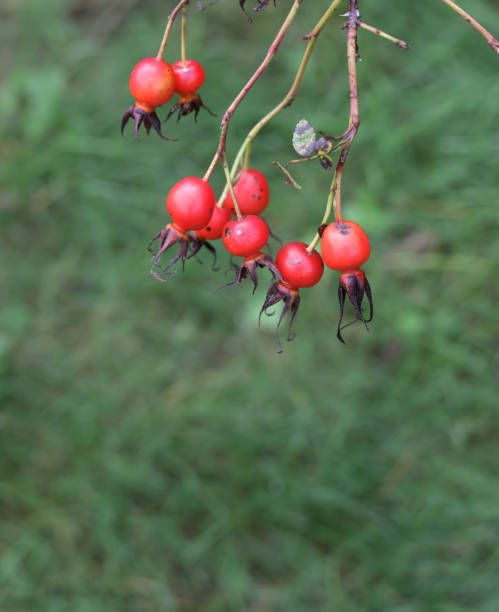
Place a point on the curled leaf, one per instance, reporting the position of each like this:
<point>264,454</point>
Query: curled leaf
<point>304,138</point>
<point>324,145</point>
<point>326,162</point>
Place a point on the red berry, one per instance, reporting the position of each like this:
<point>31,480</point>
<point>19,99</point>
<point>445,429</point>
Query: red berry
<point>297,267</point>
<point>344,246</point>
<point>252,193</point>
<point>214,229</point>
<point>246,236</point>
<point>189,76</point>
<point>190,203</point>
<point>152,82</point>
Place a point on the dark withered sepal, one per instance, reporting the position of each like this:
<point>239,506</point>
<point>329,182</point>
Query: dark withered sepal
<point>142,117</point>
<point>249,268</point>
<point>355,285</point>
<point>290,296</point>
<point>191,103</point>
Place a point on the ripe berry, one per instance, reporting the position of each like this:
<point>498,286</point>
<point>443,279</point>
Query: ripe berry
<point>214,229</point>
<point>344,246</point>
<point>252,193</point>
<point>245,236</point>
<point>190,203</point>
<point>189,76</point>
<point>297,266</point>
<point>152,83</point>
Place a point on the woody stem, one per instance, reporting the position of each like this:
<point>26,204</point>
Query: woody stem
<point>353,121</point>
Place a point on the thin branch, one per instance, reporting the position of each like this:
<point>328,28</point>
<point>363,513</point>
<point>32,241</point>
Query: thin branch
<point>169,24</point>
<point>353,123</point>
<point>397,41</point>
<point>241,95</point>
<point>289,179</point>
<point>474,23</point>
<point>288,99</point>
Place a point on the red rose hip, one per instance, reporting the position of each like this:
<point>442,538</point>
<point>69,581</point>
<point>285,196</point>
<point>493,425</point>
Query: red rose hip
<point>245,236</point>
<point>190,203</point>
<point>344,246</point>
<point>252,193</point>
<point>214,229</point>
<point>152,82</point>
<point>297,266</point>
<point>189,76</point>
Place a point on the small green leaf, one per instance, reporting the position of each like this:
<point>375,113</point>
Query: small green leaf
<point>304,138</point>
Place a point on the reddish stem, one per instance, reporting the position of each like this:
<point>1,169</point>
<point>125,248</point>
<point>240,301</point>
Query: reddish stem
<point>354,121</point>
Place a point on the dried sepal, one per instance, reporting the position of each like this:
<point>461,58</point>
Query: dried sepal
<point>188,103</point>
<point>355,285</point>
<point>140,117</point>
<point>290,296</point>
<point>196,244</point>
<point>249,268</point>
<point>166,238</point>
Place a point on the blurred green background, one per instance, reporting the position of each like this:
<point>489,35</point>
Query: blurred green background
<point>156,451</point>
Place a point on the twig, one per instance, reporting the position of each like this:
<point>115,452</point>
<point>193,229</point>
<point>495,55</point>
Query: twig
<point>397,41</point>
<point>289,179</point>
<point>241,95</point>
<point>288,99</point>
<point>474,23</point>
<point>169,24</point>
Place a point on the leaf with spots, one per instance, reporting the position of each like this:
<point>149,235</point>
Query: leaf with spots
<point>304,138</point>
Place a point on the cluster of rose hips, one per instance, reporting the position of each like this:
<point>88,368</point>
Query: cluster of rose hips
<point>153,83</point>
<point>197,220</point>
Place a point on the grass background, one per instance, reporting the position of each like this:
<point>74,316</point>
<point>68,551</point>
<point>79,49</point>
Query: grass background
<point>156,452</point>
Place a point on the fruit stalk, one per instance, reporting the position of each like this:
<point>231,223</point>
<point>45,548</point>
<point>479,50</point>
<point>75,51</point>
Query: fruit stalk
<point>231,187</point>
<point>182,39</point>
<point>171,18</point>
